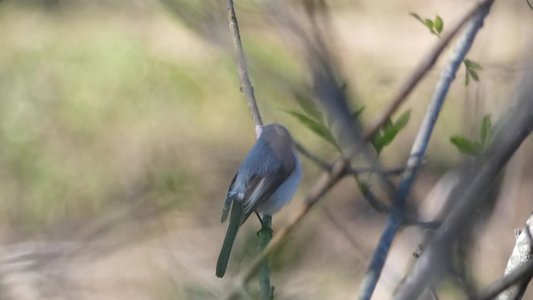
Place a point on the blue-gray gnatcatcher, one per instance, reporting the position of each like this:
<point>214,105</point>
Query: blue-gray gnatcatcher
<point>265,181</point>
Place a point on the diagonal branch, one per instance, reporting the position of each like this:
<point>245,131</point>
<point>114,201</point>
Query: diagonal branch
<point>417,153</point>
<point>514,129</point>
<point>425,65</point>
<point>324,165</point>
<point>521,254</point>
<point>522,272</point>
<point>315,159</point>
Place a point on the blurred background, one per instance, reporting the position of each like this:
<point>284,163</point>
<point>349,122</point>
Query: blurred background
<point>122,124</point>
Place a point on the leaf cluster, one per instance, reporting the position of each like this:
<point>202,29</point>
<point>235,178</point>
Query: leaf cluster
<point>389,131</point>
<point>471,70</point>
<point>475,147</point>
<point>312,118</point>
<point>435,26</point>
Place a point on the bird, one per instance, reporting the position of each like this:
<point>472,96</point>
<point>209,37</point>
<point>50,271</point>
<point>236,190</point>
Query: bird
<point>266,180</point>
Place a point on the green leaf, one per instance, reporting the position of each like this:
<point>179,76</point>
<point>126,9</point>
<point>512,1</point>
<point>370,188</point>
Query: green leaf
<point>314,126</point>
<point>389,131</point>
<point>383,139</point>
<point>472,65</point>
<point>378,142</point>
<point>485,132</point>
<point>387,126</point>
<point>439,24</point>
<point>429,24</point>
<point>308,106</point>
<point>363,185</point>
<point>435,27</point>
<point>358,112</point>
<point>402,120</point>
<point>466,146</point>
<point>416,16</point>
<point>471,70</point>
<point>473,74</point>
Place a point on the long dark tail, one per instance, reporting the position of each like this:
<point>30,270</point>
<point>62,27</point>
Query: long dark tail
<point>233,227</point>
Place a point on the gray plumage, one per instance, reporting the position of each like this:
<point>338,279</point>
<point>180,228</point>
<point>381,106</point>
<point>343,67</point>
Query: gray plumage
<point>265,181</point>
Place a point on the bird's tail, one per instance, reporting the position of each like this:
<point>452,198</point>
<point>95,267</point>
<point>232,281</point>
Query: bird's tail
<point>233,227</point>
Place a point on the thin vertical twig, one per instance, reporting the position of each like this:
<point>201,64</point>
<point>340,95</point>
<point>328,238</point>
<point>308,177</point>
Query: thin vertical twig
<point>265,234</point>
<point>417,153</point>
<point>242,67</point>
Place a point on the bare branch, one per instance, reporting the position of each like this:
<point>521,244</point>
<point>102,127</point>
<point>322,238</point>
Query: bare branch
<point>513,131</point>
<point>324,165</point>
<point>522,272</point>
<point>388,172</point>
<point>417,153</point>
<point>265,234</point>
<point>315,159</point>
<point>373,200</point>
<point>242,68</point>
<point>521,254</point>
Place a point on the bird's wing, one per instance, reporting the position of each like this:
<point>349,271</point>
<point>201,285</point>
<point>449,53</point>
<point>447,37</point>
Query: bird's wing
<point>259,189</point>
<point>227,202</point>
<point>266,168</point>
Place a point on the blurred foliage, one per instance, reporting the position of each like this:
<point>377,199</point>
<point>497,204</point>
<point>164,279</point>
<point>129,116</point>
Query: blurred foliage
<point>90,103</point>
<point>435,26</point>
<point>389,131</point>
<point>475,147</point>
<point>109,103</point>
<point>76,105</point>
<point>471,69</point>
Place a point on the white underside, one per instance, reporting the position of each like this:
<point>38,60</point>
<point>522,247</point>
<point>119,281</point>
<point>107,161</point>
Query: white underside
<point>284,193</point>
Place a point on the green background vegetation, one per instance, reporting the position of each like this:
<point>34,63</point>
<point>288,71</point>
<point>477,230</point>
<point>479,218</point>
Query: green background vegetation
<point>121,125</point>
